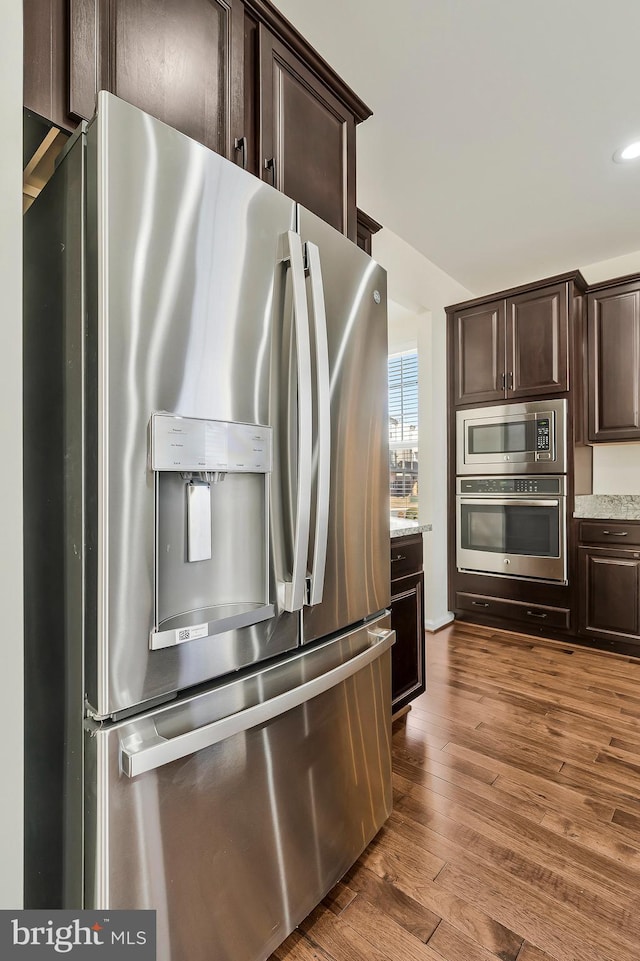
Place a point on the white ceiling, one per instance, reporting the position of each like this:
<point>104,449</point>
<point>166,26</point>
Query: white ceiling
<point>494,124</point>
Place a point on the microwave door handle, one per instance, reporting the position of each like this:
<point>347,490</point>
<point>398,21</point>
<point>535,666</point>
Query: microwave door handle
<point>322,454</point>
<point>295,589</point>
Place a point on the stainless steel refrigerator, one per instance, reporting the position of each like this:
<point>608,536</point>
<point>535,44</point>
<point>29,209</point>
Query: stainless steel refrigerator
<point>206,543</point>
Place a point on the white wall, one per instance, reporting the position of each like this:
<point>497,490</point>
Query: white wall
<point>616,467</point>
<point>11,638</point>
<point>418,293</point>
<point>403,327</point>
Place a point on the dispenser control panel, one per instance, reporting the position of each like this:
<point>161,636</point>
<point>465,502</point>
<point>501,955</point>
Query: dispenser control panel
<point>191,444</point>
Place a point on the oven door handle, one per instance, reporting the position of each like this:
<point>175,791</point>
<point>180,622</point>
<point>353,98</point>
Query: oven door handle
<point>515,502</point>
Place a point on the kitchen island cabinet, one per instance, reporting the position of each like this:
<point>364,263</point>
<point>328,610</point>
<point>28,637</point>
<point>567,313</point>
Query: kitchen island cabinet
<point>407,620</point>
<point>232,74</point>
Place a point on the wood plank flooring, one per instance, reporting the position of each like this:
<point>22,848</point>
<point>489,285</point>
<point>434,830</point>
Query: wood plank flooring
<point>515,833</point>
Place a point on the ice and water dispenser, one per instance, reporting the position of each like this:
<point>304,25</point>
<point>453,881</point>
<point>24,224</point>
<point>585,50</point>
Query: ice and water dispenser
<point>212,527</point>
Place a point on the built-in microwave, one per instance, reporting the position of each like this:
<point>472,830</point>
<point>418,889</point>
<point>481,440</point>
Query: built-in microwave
<point>529,438</point>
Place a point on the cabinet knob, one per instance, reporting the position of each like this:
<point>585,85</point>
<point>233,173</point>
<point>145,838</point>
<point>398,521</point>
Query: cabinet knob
<point>617,533</point>
<point>270,164</point>
<point>535,614</point>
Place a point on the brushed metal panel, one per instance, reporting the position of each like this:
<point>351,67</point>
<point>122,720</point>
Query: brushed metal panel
<point>187,286</point>
<point>234,845</point>
<point>357,575</point>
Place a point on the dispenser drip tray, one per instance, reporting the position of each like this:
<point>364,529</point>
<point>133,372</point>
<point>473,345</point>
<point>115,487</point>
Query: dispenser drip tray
<point>207,621</point>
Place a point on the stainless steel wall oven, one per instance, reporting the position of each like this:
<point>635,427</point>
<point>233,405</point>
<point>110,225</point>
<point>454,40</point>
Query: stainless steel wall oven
<point>514,526</point>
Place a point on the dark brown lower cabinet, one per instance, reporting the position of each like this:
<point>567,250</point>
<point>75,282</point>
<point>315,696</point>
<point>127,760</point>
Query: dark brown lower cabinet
<point>609,580</point>
<point>539,616</point>
<point>610,586</point>
<point>407,620</point>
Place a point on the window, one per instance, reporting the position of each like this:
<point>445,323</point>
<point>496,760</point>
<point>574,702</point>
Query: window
<point>403,434</point>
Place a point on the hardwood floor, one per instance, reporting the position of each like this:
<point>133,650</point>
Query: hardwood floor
<point>515,833</point>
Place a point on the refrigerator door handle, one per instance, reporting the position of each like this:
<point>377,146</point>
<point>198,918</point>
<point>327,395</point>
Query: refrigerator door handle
<point>323,440</point>
<point>147,750</point>
<point>295,589</point>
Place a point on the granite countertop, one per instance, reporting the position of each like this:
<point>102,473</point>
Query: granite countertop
<point>625,507</point>
<point>400,526</point>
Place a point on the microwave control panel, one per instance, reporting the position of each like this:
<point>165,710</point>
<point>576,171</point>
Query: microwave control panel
<point>542,434</point>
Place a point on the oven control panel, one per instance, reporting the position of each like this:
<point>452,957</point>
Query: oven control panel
<point>531,485</point>
<point>514,485</point>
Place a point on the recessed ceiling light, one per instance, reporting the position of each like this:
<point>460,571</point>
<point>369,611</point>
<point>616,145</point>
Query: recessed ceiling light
<point>630,152</point>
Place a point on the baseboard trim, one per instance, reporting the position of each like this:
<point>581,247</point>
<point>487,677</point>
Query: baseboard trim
<point>435,625</point>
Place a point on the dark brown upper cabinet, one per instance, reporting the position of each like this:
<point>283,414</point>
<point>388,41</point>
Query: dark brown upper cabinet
<point>515,345</point>
<point>308,137</point>
<point>46,61</point>
<point>613,347</point>
<point>478,353</point>
<point>232,74</point>
<point>366,227</point>
<point>537,344</point>
<point>178,60</point>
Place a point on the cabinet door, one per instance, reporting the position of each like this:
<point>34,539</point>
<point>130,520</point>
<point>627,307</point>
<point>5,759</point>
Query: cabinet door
<point>610,602</point>
<point>45,48</point>
<point>366,228</point>
<point>308,137</point>
<point>478,353</point>
<point>614,363</point>
<point>537,342</point>
<point>408,653</point>
<point>175,59</point>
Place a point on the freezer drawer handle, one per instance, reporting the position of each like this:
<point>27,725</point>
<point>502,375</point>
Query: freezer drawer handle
<point>141,754</point>
<point>322,454</point>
